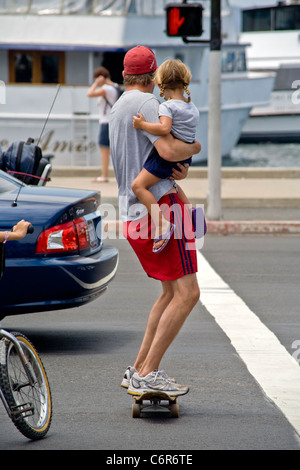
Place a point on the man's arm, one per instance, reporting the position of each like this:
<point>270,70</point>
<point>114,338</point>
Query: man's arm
<point>174,150</point>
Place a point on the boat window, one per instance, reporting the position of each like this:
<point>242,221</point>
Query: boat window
<point>279,18</point>
<point>49,68</point>
<point>257,20</point>
<point>37,67</point>
<point>228,59</point>
<point>241,65</point>
<point>287,18</point>
<point>233,61</point>
<point>23,67</point>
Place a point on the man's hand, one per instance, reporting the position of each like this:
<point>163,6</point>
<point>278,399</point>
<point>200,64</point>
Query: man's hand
<point>181,173</point>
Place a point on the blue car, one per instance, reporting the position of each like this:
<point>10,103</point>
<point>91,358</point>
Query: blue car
<point>63,263</point>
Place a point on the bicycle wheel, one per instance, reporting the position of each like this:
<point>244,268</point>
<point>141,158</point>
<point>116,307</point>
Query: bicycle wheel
<point>31,406</point>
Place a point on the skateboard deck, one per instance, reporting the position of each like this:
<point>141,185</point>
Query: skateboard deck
<point>155,402</point>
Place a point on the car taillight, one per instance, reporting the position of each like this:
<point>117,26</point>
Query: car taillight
<point>64,238</point>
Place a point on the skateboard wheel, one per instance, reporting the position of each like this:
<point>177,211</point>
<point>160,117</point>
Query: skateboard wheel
<point>136,410</point>
<point>174,410</point>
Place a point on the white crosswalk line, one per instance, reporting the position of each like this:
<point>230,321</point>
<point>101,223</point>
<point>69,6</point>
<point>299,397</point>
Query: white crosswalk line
<point>276,371</point>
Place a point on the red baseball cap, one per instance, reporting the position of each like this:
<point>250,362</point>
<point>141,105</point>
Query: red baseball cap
<point>139,60</point>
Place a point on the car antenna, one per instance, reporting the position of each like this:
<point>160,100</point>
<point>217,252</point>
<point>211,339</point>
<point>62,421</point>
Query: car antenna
<point>54,99</point>
<point>15,203</point>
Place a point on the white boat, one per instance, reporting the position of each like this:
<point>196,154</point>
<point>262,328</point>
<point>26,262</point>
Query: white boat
<point>63,41</point>
<point>273,34</point>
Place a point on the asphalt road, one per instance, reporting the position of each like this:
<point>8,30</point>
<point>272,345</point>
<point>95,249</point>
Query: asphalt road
<point>86,350</point>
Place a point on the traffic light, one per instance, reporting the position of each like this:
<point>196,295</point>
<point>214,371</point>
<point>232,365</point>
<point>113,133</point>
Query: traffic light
<point>184,19</point>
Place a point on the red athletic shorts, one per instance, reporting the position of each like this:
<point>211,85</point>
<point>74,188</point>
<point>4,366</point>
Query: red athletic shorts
<point>179,257</point>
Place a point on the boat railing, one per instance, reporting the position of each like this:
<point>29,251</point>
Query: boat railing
<point>86,7</point>
<point>91,7</point>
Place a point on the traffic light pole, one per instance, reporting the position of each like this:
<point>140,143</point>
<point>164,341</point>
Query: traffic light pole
<point>214,167</point>
<point>214,206</point>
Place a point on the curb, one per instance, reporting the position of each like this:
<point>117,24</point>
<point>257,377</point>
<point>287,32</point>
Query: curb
<point>194,172</point>
<point>290,227</point>
<point>223,227</point>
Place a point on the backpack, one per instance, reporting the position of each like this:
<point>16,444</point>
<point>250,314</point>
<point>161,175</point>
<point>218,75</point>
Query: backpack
<point>119,93</point>
<point>25,161</point>
<point>119,89</point>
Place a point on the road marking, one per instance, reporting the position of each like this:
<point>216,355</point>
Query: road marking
<point>276,371</point>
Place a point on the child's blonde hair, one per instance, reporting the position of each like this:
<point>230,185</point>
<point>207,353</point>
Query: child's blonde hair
<point>173,74</point>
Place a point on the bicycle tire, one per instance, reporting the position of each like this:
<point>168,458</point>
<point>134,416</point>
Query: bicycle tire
<point>13,380</point>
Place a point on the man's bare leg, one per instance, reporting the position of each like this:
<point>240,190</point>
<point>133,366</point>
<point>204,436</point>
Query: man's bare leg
<point>167,323</point>
<point>153,320</point>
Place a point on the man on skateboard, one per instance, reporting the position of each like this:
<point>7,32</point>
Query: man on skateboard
<point>176,265</point>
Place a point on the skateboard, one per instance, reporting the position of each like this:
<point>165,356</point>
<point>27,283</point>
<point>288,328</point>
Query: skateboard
<point>153,402</point>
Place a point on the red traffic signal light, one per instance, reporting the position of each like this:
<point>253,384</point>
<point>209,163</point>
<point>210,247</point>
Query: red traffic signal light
<point>184,19</point>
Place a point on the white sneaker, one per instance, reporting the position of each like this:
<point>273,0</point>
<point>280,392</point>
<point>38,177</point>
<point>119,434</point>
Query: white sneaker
<point>131,370</point>
<point>155,381</point>
<point>127,376</point>
<point>165,375</point>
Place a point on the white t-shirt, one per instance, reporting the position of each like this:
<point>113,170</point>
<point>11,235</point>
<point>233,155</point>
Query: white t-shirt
<point>105,103</point>
<point>185,117</point>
